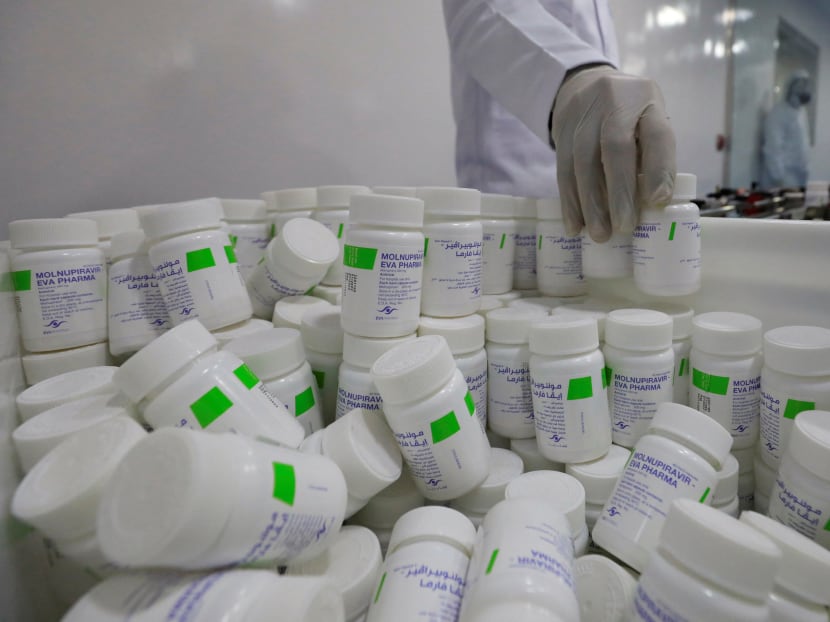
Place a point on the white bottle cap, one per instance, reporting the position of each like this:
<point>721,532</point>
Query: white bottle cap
<point>714,545</point>
<point>290,199</point>
<point>362,445</point>
<point>321,330</point>
<point>364,351</point>
<point>488,303</point>
<point>175,218</point>
<point>413,370</point>
<point>701,432</point>
<point>304,247</point>
<point>161,358</point>
<point>725,332</point>
<point>38,233</point>
<point>352,562</point>
<point>313,443</point>
<point>726,487</point>
<point>147,508</point>
<point>289,311</point>
<point>450,201</point>
<point>805,565</point>
<point>562,490</point>
<point>390,503</point>
<point>511,326</point>
<point>641,330</point>
<point>42,433</point>
<point>463,334</point>
<point>506,297</point>
<point>242,329</point>
<point>271,353</point>
<point>39,366</point>
<point>143,209</point>
<point>563,336</point>
<point>60,495</point>
<point>798,350</point>
<point>386,211</point>
<point>338,196</point>
<point>497,205</point>
<point>685,187</point>
<point>246,210</point>
<point>111,221</point>
<point>518,611</point>
<point>599,476</point>
<point>66,387</point>
<point>549,209</point>
<point>505,466</point>
<point>604,589</point>
<point>574,312</point>
<point>810,442</point>
<point>681,316</point>
<point>127,243</point>
<point>525,207</point>
<point>300,599</point>
<point>398,191</point>
<point>528,450</point>
<point>333,294</point>
<point>437,523</point>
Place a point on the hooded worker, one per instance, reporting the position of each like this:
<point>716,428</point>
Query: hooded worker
<point>785,147</point>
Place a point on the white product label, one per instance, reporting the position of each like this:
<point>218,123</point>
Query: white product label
<point>524,263</point>
<point>808,514</point>
<point>136,305</point>
<point>266,288</point>
<point>559,259</point>
<point>648,608</point>
<point>349,398</point>
<point>732,401</point>
<point>477,384</point>
<point>672,245</point>
<point>452,271</point>
<point>634,400</point>
<point>569,412</point>
<point>778,409</point>
<point>510,400</point>
<point>249,242</point>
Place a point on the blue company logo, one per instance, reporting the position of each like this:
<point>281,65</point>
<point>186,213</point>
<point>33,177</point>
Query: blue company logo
<point>387,310</point>
<point>740,428</point>
<point>158,322</point>
<point>322,531</point>
<point>54,324</point>
<point>622,425</point>
<point>556,438</point>
<point>186,311</point>
<point>476,290</point>
<point>770,446</point>
<point>433,482</point>
<point>613,511</point>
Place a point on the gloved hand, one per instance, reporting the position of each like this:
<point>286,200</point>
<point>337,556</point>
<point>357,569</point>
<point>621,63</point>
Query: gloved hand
<point>607,127</point>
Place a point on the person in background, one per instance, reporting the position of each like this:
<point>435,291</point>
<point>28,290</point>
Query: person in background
<point>784,151</point>
<point>538,102</point>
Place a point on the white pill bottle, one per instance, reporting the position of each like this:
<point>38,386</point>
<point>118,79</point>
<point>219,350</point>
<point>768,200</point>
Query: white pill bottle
<point>524,259</point>
<point>250,231</point>
<point>558,255</point>
<point>499,230</point>
<point>287,203</point>
<point>333,212</point>
<point>682,327</point>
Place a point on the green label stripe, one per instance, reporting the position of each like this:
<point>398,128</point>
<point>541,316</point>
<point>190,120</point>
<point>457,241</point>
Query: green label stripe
<point>684,363</point>
<point>671,230</point>
<point>246,376</point>
<point>210,406</point>
<point>607,374</point>
<point>492,561</point>
<point>794,407</point>
<point>273,230</point>
<point>540,242</point>
<point>340,231</point>
<point>380,586</point>
<point>303,402</point>
<point>234,239</point>
<point>827,525</point>
<point>285,482</point>
<point>426,245</point>
<point>470,402</point>
<point>359,257</point>
<point>717,385</point>
<point>503,238</point>
<point>704,495</point>
<point>230,254</point>
<point>320,377</point>
<point>580,388</point>
<point>22,280</point>
<point>444,427</point>
<point>630,456</point>
<point>200,259</point>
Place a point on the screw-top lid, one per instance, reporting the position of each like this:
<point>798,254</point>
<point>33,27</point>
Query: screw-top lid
<point>506,297</point>
<point>641,330</point>
<point>505,466</point>
<point>390,503</point>
<point>434,522</point>
<point>66,387</point>
<point>60,495</point>
<point>313,443</point>
<point>511,326</point>
<point>528,450</point>
<point>810,442</point>
<point>725,332</point>
<point>546,303</point>
<point>271,353</point>
<point>127,243</point>
<point>694,429</point>
<point>681,316</point>
<point>726,487</point>
<point>574,312</point>
<point>303,247</point>
<point>497,205</point>
<point>563,336</point>
<point>248,210</point>
<point>241,329</point>
<point>413,370</point>
<point>332,294</point>
<point>604,589</point>
<point>728,553</point>
<point>148,368</point>
<point>338,196</point>
<point>362,445</point>
<point>398,191</point>
<point>450,201</point>
<point>805,565</point>
<point>290,199</point>
<point>110,221</point>
<point>322,331</point>
<point>488,303</point>
<point>289,311</point>
<point>39,366</point>
<point>463,334</point>
<point>42,233</point>
<point>364,351</point>
<point>549,209</point>
<point>176,218</point>
<point>685,186</point>
<point>599,476</point>
<point>562,490</point>
<point>352,562</point>
<point>798,350</point>
<point>385,210</point>
<point>524,207</point>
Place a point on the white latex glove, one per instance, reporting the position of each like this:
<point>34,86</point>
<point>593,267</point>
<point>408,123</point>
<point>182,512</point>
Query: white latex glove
<point>607,127</point>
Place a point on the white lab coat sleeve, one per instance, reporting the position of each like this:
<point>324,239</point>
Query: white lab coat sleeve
<point>518,52</point>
